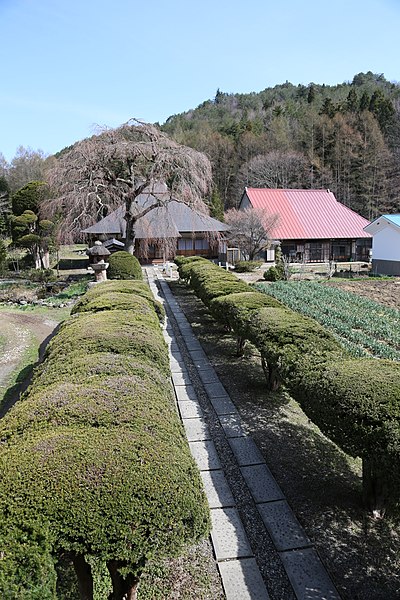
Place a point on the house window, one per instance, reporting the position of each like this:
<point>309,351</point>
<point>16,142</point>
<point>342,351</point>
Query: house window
<point>201,244</point>
<point>185,244</point>
<point>316,254</point>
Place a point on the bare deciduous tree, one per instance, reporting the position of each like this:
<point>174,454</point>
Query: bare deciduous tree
<point>250,229</point>
<point>275,170</point>
<point>100,173</point>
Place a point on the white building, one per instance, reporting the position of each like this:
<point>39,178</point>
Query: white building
<point>385,244</point>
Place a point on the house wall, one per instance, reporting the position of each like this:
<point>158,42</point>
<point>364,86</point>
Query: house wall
<point>386,244</point>
<point>386,267</point>
<point>245,202</point>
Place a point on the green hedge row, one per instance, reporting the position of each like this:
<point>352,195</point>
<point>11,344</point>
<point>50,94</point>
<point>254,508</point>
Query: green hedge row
<point>94,457</point>
<point>355,402</point>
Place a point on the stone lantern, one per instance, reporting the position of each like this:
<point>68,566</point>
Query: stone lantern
<point>97,264</point>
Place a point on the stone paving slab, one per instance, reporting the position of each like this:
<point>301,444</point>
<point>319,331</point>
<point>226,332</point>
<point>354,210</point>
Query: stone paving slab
<point>232,425</point>
<point>242,580</point>
<point>217,489</point>
<point>223,406</point>
<point>208,375</point>
<point>283,527</point>
<point>196,429</point>
<point>202,364</point>
<point>181,378</point>
<point>308,576</point>
<point>193,344</point>
<point>198,354</point>
<point>245,451</point>
<point>185,392</point>
<point>228,534</point>
<point>189,409</point>
<point>205,455</point>
<point>176,366</point>
<point>261,483</point>
<point>215,390</point>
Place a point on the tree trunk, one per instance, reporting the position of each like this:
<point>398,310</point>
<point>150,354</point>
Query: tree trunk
<point>123,588</point>
<point>84,574</point>
<point>130,233</point>
<point>374,487</point>
<point>241,341</point>
<point>271,375</point>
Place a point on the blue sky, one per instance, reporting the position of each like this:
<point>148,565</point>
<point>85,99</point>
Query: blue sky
<point>67,66</point>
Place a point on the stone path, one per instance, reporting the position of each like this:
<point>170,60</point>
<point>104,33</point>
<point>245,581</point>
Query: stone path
<point>261,549</point>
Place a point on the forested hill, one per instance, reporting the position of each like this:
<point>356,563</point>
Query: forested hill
<point>344,137</point>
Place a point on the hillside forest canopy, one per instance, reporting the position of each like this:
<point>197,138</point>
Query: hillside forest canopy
<point>345,138</point>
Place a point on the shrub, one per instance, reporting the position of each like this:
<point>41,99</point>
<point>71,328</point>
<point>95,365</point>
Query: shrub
<point>123,265</point>
<point>182,260</point>
<point>235,309</point>
<point>356,403</point>
<point>247,266</point>
<point>96,455</point>
<point>129,287</point>
<point>119,332</point>
<point>92,368</point>
<point>273,274</point>
<point>28,545</point>
<point>113,493</point>
<point>133,401</point>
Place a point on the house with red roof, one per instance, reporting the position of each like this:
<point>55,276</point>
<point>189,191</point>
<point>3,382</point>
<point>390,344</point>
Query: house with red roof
<point>312,226</point>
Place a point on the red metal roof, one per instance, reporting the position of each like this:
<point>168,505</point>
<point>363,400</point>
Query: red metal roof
<point>308,214</point>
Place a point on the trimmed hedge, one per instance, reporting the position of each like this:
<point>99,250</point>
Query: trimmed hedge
<point>95,455</point>
<point>117,331</point>
<point>355,402</point>
<point>137,288</point>
<point>123,265</point>
<point>91,368</point>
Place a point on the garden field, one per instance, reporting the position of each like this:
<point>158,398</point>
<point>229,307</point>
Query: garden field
<point>364,327</point>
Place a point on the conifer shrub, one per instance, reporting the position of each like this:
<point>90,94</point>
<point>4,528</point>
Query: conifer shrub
<point>95,454</point>
<point>26,566</point>
<point>117,331</point>
<point>133,401</point>
<point>134,287</point>
<point>235,309</point>
<point>123,265</point>
<point>116,301</point>
<point>119,494</point>
<point>86,368</point>
<point>247,266</point>
<point>182,260</point>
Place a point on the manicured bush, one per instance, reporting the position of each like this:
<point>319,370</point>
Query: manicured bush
<point>233,309</point>
<point>182,260</point>
<point>286,338</point>
<point>356,403</point>
<point>119,332</point>
<point>91,368</point>
<point>134,287</point>
<point>123,265</point>
<point>95,454</point>
<point>26,565</point>
<point>247,266</point>
<point>113,493</point>
<point>133,401</point>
